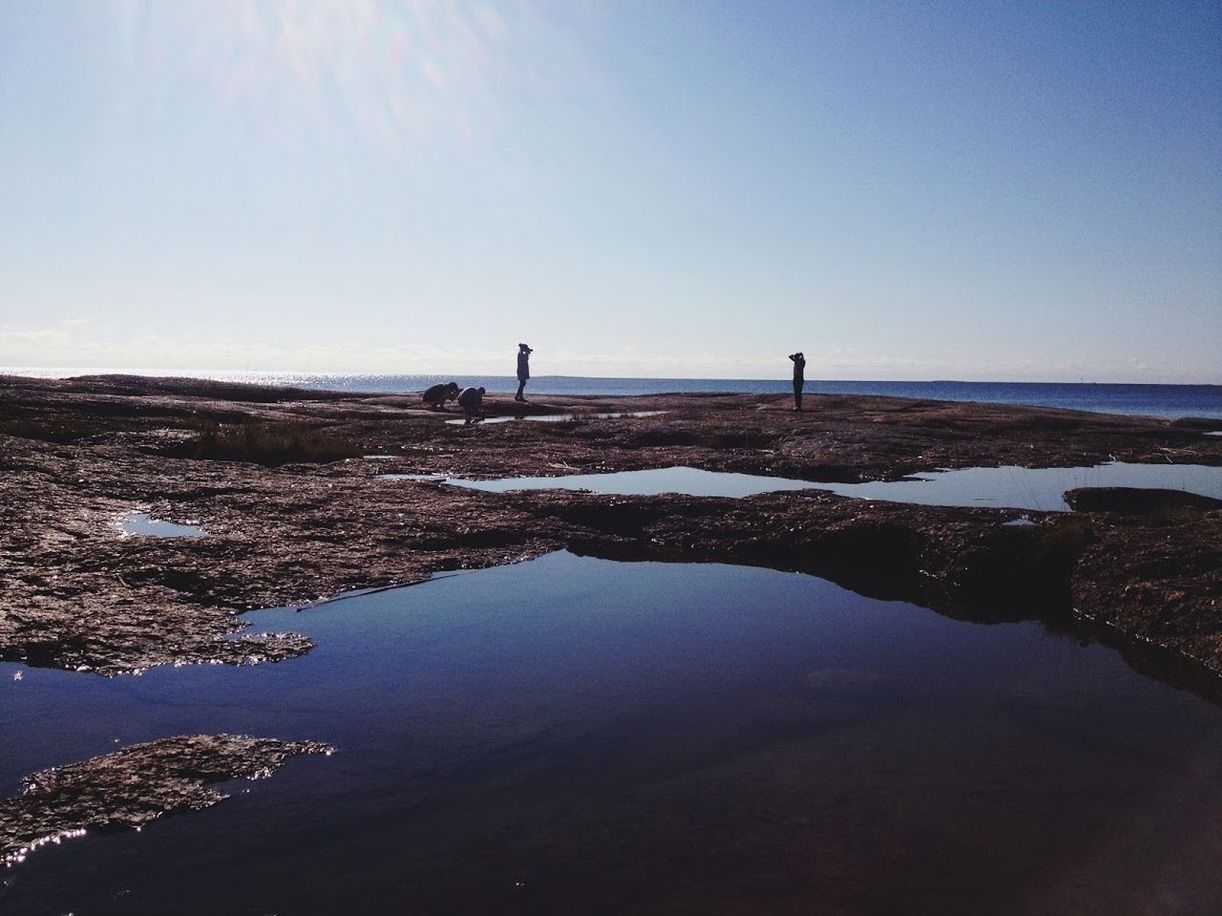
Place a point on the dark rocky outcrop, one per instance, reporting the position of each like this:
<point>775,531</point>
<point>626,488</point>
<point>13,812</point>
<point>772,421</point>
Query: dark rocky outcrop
<point>1135,501</point>
<point>133,786</point>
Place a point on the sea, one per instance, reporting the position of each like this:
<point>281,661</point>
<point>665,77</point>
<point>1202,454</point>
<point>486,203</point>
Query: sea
<point>1172,401</point>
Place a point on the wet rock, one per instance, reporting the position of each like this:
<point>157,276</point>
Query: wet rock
<point>1135,501</point>
<point>1157,580</point>
<point>134,786</point>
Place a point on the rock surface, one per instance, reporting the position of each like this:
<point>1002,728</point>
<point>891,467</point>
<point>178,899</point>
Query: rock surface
<point>135,785</point>
<point>1133,501</point>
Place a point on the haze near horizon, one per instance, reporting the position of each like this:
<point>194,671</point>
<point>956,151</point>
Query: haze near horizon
<point>902,191</point>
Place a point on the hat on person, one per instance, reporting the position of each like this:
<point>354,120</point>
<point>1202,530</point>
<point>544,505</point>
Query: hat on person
<point>525,347</point>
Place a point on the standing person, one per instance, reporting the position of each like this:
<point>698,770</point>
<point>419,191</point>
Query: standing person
<point>470,400</point>
<point>523,370</point>
<point>799,378</point>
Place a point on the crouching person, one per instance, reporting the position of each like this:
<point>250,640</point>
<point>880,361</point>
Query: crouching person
<point>437,396</point>
<point>470,400</point>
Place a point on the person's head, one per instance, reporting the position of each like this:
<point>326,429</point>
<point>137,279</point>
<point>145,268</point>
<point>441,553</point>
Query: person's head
<point>523,348</point>
<point>481,389</point>
<point>452,388</point>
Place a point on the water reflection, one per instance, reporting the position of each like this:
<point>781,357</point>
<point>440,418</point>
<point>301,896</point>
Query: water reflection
<point>600,736</point>
<point>690,481</point>
<point>564,417</point>
<point>144,525</point>
<point>1002,487</point>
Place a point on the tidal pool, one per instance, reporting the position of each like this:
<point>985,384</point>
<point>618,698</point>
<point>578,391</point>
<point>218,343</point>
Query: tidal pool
<point>690,481</point>
<point>1034,488</point>
<point>1000,487</point>
<point>580,735</point>
<point>143,524</point>
<point>563,417</point>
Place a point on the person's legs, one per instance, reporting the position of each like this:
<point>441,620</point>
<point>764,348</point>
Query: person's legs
<point>521,387</point>
<point>797,395</point>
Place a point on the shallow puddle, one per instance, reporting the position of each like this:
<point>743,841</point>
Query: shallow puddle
<point>142,524</point>
<point>1001,487</point>
<point>563,417</point>
<point>579,735</point>
<point>1034,488</point>
<point>689,481</point>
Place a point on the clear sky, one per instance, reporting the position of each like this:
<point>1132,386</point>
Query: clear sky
<point>919,190</point>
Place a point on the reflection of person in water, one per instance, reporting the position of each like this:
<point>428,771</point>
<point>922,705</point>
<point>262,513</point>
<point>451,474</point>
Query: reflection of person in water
<point>470,400</point>
<point>437,395</point>
<point>523,370</point>
<point>799,378</point>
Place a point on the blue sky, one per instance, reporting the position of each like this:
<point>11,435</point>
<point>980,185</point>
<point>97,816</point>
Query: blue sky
<point>903,191</point>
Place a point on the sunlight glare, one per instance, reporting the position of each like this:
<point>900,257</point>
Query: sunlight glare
<point>394,72</point>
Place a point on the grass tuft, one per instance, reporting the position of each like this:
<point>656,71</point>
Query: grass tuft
<point>270,444</point>
<point>58,429</point>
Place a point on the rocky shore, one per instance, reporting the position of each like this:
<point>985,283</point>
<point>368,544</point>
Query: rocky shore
<point>77,455</point>
<point>296,511</point>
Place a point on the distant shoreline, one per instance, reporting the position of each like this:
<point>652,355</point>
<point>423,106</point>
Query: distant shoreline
<point>1151,399</point>
<point>287,376</point>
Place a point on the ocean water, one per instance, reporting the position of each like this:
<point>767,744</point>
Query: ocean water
<point>1151,400</point>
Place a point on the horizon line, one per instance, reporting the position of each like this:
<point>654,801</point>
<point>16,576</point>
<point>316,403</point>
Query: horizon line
<point>87,371</point>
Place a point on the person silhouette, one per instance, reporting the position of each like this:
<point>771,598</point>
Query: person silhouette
<point>470,399</point>
<point>523,370</point>
<point>437,395</point>
<point>799,378</point>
